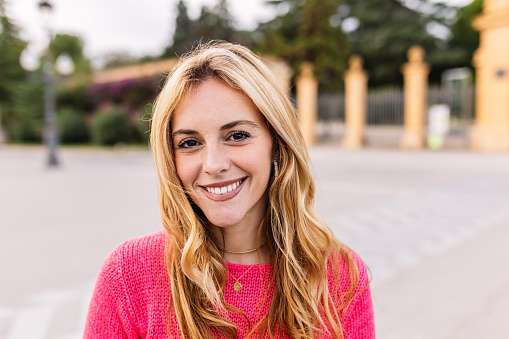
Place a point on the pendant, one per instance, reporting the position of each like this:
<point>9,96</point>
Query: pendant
<point>237,286</point>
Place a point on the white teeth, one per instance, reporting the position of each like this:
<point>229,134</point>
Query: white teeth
<point>223,190</point>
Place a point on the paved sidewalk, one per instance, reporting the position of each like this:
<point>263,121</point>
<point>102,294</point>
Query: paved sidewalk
<point>461,294</point>
<point>432,227</point>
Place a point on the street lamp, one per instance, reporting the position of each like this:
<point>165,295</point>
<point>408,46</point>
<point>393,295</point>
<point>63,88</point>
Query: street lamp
<point>51,134</point>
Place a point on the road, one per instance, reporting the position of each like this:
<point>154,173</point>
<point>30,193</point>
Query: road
<point>431,226</point>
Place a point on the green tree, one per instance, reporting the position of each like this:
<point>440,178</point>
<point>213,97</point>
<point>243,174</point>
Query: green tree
<point>71,45</point>
<point>382,31</point>
<point>21,101</point>
<point>465,39</point>
<point>307,31</point>
<point>183,24</point>
<point>214,23</point>
<point>12,74</point>
<point>323,42</point>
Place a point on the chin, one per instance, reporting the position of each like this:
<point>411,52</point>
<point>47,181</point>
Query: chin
<point>224,220</point>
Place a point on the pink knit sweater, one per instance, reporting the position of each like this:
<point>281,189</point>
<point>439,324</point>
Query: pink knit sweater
<point>132,293</point>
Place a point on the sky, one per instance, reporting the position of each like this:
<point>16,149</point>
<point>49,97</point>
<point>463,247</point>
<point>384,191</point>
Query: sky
<point>133,26</point>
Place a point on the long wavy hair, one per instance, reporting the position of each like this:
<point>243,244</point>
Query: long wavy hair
<point>302,248</point>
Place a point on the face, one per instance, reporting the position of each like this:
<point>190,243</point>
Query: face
<point>223,154</point>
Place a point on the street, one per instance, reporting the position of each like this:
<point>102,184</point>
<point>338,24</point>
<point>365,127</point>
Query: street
<point>431,226</point>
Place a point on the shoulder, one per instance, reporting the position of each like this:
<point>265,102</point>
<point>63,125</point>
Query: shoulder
<point>364,278</point>
<point>345,268</point>
<point>131,286</point>
<point>133,258</point>
<point>135,265</point>
<point>140,249</point>
<point>140,259</point>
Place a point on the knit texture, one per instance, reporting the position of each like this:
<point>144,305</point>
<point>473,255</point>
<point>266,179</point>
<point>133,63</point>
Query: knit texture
<point>132,294</point>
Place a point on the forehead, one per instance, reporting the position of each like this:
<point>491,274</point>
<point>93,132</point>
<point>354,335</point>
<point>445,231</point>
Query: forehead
<point>213,103</point>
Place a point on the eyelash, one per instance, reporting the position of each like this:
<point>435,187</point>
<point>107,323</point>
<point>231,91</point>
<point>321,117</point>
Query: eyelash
<point>243,134</point>
<point>183,142</point>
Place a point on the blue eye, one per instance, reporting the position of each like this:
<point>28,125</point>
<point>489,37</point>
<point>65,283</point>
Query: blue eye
<point>238,136</point>
<point>188,143</point>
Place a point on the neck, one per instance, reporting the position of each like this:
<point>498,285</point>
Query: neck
<point>248,258</point>
<point>241,238</point>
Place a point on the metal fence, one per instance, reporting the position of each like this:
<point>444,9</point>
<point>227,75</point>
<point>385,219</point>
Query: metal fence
<point>385,115</point>
<point>330,125</point>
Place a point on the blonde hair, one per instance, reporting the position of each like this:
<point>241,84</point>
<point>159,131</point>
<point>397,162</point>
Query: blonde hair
<point>302,249</point>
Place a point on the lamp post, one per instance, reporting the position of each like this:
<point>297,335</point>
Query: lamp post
<point>50,134</point>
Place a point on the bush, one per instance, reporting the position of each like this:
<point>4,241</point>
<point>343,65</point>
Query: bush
<point>142,125</point>
<point>74,97</point>
<point>26,131</point>
<point>112,127</point>
<point>23,119</point>
<point>72,127</point>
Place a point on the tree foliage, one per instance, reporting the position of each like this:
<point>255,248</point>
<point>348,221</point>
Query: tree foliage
<point>465,39</point>
<point>386,29</point>
<point>71,45</point>
<point>20,100</point>
<point>183,24</point>
<point>327,32</point>
<point>214,23</point>
<point>112,127</point>
<point>11,72</point>
<point>307,32</point>
<point>72,127</point>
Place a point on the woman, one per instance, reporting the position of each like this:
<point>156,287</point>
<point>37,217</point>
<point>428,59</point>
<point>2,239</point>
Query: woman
<point>243,253</point>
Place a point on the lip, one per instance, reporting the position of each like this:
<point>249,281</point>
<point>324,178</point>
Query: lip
<point>226,196</point>
<point>223,183</point>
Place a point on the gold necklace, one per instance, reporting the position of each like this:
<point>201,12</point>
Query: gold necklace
<point>238,286</point>
<point>241,252</point>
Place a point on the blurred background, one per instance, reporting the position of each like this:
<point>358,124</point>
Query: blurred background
<point>84,39</point>
<point>416,199</point>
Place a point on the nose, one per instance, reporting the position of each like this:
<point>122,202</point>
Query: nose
<point>215,159</point>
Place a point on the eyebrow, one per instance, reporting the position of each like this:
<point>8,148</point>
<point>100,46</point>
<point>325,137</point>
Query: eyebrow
<point>224,127</point>
<point>184,131</point>
<point>239,122</point>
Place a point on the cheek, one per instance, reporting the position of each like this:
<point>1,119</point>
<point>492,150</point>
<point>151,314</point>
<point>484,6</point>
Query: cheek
<point>185,170</point>
<point>259,166</point>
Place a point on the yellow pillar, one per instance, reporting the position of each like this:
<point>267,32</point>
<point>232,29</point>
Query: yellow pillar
<point>491,130</point>
<point>415,73</point>
<point>356,88</point>
<point>307,102</point>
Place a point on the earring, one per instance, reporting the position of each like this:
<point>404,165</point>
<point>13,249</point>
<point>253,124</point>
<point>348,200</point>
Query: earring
<point>276,168</point>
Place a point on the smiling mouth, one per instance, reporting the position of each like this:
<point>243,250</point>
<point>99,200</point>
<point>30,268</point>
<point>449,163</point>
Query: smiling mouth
<point>224,189</point>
